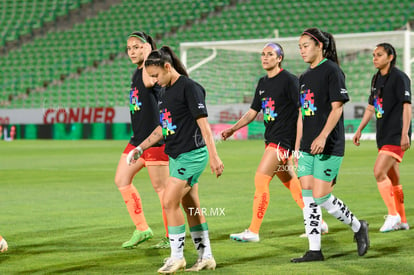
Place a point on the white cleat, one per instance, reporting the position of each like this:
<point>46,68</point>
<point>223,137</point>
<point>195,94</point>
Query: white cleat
<point>208,264</point>
<point>391,223</point>
<point>246,236</point>
<point>172,265</point>
<point>403,226</point>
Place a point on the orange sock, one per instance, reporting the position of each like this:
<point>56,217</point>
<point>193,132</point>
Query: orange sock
<point>385,189</point>
<point>260,201</point>
<point>399,201</point>
<point>294,187</point>
<point>134,206</point>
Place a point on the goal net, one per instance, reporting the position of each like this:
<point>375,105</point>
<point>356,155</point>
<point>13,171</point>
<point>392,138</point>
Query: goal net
<point>229,70</point>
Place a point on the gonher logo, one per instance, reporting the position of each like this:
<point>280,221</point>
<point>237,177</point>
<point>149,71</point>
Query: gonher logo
<point>81,115</point>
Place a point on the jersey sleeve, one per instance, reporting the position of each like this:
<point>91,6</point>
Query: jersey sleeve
<point>195,97</point>
<point>403,89</point>
<point>257,101</point>
<point>337,89</point>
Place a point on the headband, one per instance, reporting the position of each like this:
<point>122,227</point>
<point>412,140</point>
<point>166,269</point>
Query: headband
<point>276,47</point>
<point>137,36</point>
<point>311,35</point>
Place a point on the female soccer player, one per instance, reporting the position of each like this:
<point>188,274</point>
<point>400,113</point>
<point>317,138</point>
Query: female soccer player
<point>143,106</point>
<point>322,95</point>
<point>188,143</point>
<point>277,96</point>
<point>390,101</point>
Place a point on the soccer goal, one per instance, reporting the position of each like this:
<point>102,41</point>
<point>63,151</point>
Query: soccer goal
<point>229,70</point>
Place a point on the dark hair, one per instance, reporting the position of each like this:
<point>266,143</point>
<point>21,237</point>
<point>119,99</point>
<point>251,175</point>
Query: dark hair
<point>327,40</point>
<point>390,50</point>
<point>165,55</point>
<point>144,38</point>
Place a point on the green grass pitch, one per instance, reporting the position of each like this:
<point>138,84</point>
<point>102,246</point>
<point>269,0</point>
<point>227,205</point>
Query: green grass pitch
<point>61,213</point>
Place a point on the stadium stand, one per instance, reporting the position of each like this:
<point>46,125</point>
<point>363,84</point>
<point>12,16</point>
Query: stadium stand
<point>85,65</point>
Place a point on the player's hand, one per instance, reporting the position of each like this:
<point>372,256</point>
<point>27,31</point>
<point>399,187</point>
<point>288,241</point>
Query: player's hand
<point>133,155</point>
<point>226,134</point>
<point>405,142</point>
<point>356,138</point>
<point>318,145</point>
<point>216,166</point>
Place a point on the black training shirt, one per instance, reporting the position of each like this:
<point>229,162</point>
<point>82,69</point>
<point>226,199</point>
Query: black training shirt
<point>278,98</point>
<point>388,94</point>
<point>143,107</point>
<point>181,105</point>
<point>319,87</point>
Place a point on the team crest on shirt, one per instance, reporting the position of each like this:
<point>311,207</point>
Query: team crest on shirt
<point>307,101</point>
<point>134,104</point>
<point>167,126</point>
<point>268,107</point>
<point>379,111</point>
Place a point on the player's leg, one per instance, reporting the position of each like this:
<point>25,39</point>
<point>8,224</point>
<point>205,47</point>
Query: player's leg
<point>198,230</point>
<point>326,171</point>
<point>394,175</point>
<point>263,176</point>
<point>156,162</point>
<point>287,175</point>
<point>123,180</point>
<point>174,192</point>
<point>383,165</point>
<point>159,175</point>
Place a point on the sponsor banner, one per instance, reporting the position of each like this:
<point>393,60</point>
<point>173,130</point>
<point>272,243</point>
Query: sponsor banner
<point>217,114</point>
<point>65,115</point>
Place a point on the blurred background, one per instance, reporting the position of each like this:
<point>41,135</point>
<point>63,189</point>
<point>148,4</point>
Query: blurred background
<point>66,60</point>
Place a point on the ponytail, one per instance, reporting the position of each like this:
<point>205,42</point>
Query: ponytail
<point>327,40</point>
<point>165,55</point>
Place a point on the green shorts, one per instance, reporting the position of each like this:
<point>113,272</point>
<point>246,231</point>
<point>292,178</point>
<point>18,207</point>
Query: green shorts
<point>322,167</point>
<point>189,166</point>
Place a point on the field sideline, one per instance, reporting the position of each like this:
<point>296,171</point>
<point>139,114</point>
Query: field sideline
<point>61,213</point>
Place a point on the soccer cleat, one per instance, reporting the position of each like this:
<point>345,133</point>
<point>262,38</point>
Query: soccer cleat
<point>138,237</point>
<point>310,256</point>
<point>245,236</point>
<point>324,229</point>
<point>164,243</point>
<point>172,265</point>
<point>362,238</point>
<point>403,226</point>
<point>208,264</point>
<point>391,223</point>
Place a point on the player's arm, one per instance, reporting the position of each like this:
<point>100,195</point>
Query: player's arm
<point>318,144</point>
<point>152,139</point>
<point>216,164</point>
<point>299,131</point>
<point>248,117</point>
<point>405,139</point>
<point>146,78</point>
<point>369,111</point>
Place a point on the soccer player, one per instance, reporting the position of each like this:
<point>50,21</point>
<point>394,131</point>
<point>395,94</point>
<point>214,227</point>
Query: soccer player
<point>189,143</point>
<point>143,106</point>
<point>322,95</point>
<point>390,101</point>
<point>277,96</point>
